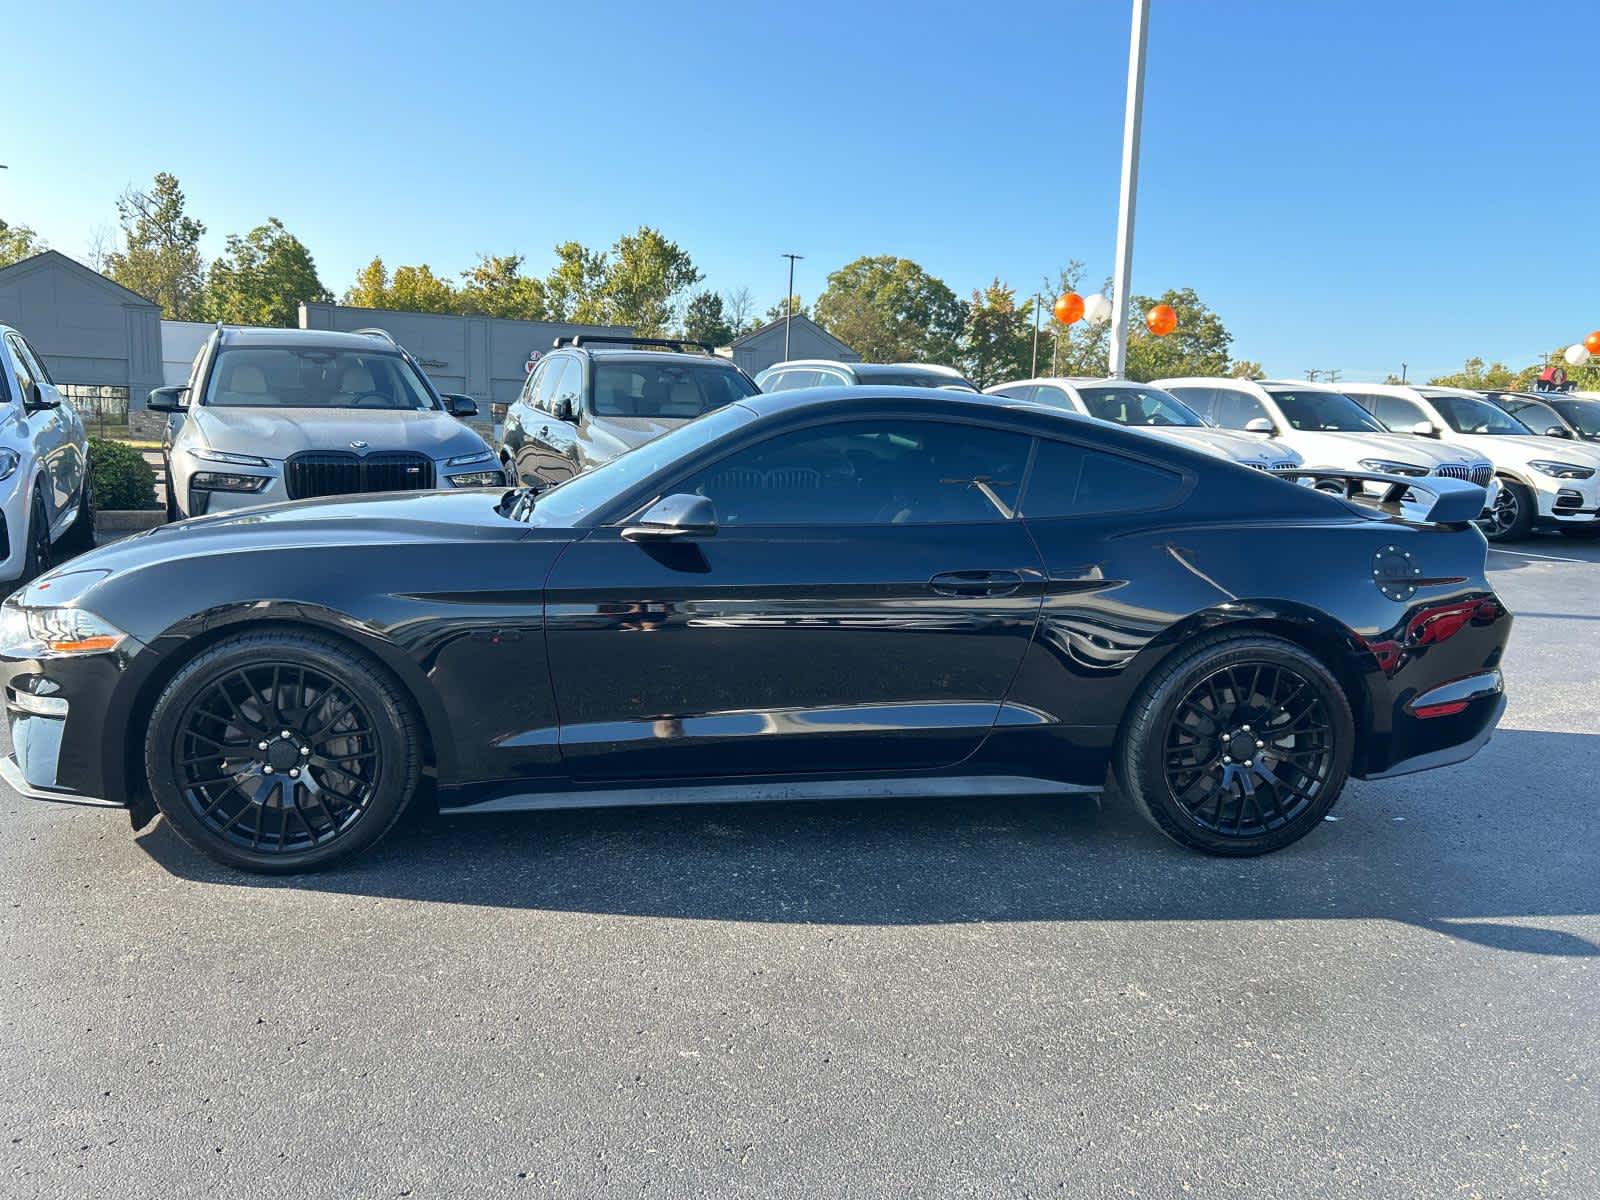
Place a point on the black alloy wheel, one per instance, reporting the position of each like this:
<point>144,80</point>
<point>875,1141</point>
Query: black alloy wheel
<point>282,752</point>
<point>41,552</point>
<point>1239,746</point>
<point>1511,518</point>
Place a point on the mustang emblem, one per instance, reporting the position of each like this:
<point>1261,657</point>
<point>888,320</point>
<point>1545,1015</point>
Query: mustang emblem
<point>358,445</point>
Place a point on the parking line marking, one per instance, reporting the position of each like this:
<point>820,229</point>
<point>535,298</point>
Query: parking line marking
<point>1547,557</point>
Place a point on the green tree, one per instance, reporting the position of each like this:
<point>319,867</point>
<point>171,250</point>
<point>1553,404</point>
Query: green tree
<point>496,287</point>
<point>644,275</point>
<point>889,309</point>
<point>371,288</point>
<point>18,242</point>
<point>1474,374</point>
<point>778,311</point>
<point>407,289</point>
<point>703,319</point>
<point>160,257</point>
<point>1199,346</point>
<point>262,278</point>
<point>1245,369</point>
<point>997,341</point>
<point>572,288</point>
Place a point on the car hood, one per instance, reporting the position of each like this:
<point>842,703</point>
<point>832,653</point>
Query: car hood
<point>277,433</point>
<point>1517,449</point>
<point>1237,447</point>
<point>1345,450</point>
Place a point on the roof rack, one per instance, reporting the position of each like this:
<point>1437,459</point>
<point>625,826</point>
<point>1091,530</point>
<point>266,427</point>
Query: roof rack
<point>586,339</point>
<point>374,331</point>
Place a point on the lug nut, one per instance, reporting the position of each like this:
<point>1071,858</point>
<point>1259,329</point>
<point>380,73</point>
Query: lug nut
<point>294,772</point>
<point>1245,728</point>
<point>1261,745</point>
<point>286,734</point>
<point>1249,762</point>
<point>267,770</point>
<point>1227,758</point>
<point>305,751</point>
<point>261,745</point>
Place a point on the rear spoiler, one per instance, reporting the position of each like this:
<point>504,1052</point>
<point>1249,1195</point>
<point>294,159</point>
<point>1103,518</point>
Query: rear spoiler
<point>1452,501</point>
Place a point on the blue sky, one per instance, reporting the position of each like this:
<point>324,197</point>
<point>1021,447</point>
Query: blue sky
<point>1349,185</point>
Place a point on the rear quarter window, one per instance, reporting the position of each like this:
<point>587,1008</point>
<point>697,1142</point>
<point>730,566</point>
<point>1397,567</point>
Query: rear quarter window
<point>1070,480</point>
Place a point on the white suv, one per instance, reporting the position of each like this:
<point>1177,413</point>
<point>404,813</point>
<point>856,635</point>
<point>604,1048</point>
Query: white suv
<point>1545,481</point>
<point>46,504</point>
<point>1326,427</point>
<point>1148,409</point>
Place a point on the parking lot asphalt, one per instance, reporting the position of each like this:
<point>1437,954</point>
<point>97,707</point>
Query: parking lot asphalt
<point>1031,998</point>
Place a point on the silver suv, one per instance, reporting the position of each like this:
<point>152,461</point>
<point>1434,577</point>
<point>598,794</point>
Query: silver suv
<point>286,414</point>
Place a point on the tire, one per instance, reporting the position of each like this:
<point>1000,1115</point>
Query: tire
<point>172,501</point>
<point>1511,520</point>
<point>1171,759</point>
<point>329,790</point>
<point>79,536</point>
<point>41,554</point>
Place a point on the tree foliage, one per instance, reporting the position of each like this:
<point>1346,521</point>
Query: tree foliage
<point>262,278</point>
<point>408,289</point>
<point>1199,346</point>
<point>496,287</point>
<point>1494,376</point>
<point>573,287</point>
<point>794,304</point>
<point>160,255</point>
<point>18,242</point>
<point>703,319</point>
<point>997,340</point>
<point>889,309</point>
<point>644,275</point>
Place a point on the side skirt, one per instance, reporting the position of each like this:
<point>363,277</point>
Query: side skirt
<point>754,792</point>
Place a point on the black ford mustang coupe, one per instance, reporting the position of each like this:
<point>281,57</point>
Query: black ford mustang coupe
<point>846,593</point>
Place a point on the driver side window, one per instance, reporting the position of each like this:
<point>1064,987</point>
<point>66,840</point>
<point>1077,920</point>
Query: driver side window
<point>545,389</point>
<point>1235,410</point>
<point>887,472</point>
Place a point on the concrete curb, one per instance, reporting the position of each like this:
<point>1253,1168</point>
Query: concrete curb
<point>128,519</point>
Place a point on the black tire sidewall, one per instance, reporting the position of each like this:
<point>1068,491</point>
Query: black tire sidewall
<point>1140,750</point>
<point>1526,508</point>
<point>38,518</point>
<point>394,727</point>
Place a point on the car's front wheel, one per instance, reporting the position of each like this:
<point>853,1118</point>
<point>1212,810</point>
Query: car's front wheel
<point>282,752</point>
<point>1511,518</point>
<point>1237,746</point>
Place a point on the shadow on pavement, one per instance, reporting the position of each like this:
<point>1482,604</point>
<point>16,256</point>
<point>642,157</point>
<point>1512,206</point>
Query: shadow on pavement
<point>1452,851</point>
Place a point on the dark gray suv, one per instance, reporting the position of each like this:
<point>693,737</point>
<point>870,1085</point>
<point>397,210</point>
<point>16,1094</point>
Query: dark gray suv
<point>594,397</point>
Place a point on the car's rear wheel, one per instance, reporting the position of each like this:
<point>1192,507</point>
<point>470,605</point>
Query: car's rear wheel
<point>1511,518</point>
<point>282,752</point>
<point>41,552</point>
<point>1238,746</point>
<point>80,534</point>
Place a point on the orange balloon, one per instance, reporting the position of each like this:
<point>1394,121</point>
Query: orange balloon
<point>1161,320</point>
<point>1592,342</point>
<point>1068,307</point>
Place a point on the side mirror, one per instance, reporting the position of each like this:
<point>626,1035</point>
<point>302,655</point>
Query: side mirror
<point>679,517</point>
<point>167,399</point>
<point>1259,425</point>
<point>1424,429</point>
<point>459,405</point>
<point>34,401</point>
<point>1557,431</point>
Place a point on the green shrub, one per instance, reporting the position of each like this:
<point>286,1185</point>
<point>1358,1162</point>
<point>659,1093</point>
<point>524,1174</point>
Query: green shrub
<point>122,478</point>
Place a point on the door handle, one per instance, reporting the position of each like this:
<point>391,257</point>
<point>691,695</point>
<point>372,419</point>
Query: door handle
<point>976,583</point>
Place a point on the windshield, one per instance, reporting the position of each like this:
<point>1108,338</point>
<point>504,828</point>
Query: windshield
<point>564,505</point>
<point>1535,414</point>
<point>665,389</point>
<point>285,377</point>
<point>1137,406</point>
<point>1323,412</point>
<point>911,377</point>
<point>1584,415</point>
<point>1465,414</point>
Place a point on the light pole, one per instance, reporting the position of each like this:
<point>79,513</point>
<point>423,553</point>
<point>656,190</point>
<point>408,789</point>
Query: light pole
<point>1033,372</point>
<point>788,304</point>
<point>1132,118</point>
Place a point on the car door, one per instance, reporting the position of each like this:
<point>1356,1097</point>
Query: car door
<point>546,454</point>
<point>864,605</point>
<point>46,429</point>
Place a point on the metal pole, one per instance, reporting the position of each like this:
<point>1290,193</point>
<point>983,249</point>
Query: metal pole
<point>1133,116</point>
<point>1033,372</point>
<point>788,304</point>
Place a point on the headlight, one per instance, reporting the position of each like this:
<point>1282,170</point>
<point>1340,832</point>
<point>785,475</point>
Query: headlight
<point>238,460</point>
<point>495,478</point>
<point>466,460</point>
<point>218,481</point>
<point>1561,470</point>
<point>1384,466</point>
<point>54,632</point>
<point>8,463</point>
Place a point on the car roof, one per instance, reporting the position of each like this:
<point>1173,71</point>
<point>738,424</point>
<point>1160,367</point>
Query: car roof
<point>234,336</point>
<point>868,370</point>
<point>624,353</point>
<point>957,403</point>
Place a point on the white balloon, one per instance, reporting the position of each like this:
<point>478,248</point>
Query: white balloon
<point>1577,354</point>
<point>1096,309</point>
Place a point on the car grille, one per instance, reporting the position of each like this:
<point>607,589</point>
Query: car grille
<point>1282,465</point>
<point>1480,473</point>
<point>336,473</point>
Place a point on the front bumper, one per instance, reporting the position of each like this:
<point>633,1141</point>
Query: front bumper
<point>15,498</point>
<point>17,778</point>
<point>1567,501</point>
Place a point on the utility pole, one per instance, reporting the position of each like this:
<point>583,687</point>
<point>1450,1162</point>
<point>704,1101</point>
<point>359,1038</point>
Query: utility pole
<point>1311,376</point>
<point>788,303</point>
<point>1033,372</point>
<point>1402,372</point>
<point>1133,117</point>
<point>1333,375</point>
